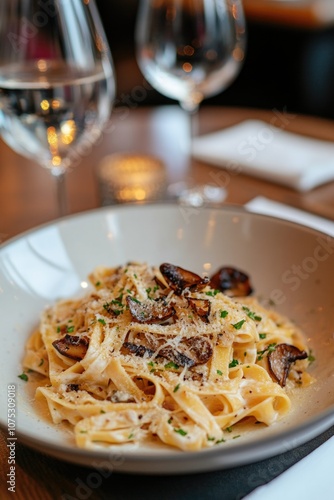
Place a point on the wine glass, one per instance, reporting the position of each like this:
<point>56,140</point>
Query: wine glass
<point>189,50</point>
<point>57,82</point>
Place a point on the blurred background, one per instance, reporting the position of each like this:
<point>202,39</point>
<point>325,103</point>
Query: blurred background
<point>289,61</point>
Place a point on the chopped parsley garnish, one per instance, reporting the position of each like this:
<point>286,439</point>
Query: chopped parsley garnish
<point>135,276</point>
<point>102,411</point>
<point>238,325</point>
<point>219,372</point>
<point>170,420</point>
<point>111,310</point>
<point>171,365</point>
<point>223,314</point>
<point>102,321</point>
<point>233,363</point>
<point>228,429</point>
<point>211,438</point>
<point>58,329</point>
<point>98,283</point>
<point>267,350</point>
<point>151,292</point>
<point>70,329</point>
<point>24,377</point>
<point>176,388</point>
<point>135,300</point>
<point>311,357</point>
<point>212,293</point>
<point>152,365</point>
<point>220,441</point>
<point>130,436</point>
<point>236,437</point>
<point>118,301</point>
<point>263,335</point>
<point>41,362</point>
<point>252,314</point>
<point>181,432</point>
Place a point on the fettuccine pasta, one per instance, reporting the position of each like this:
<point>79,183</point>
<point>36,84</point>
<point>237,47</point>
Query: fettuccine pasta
<point>148,357</point>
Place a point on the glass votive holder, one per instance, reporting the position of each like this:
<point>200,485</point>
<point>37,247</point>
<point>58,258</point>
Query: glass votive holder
<point>131,177</point>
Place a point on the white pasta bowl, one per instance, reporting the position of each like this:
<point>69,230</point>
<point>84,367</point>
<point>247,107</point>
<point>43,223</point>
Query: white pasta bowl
<point>289,265</point>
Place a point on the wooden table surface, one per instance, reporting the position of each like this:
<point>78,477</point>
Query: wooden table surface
<point>27,196</point>
<point>27,199</point>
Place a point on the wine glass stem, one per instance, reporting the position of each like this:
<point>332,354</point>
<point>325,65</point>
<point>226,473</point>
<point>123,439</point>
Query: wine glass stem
<point>194,124</point>
<point>191,113</point>
<point>61,193</point>
<point>191,108</point>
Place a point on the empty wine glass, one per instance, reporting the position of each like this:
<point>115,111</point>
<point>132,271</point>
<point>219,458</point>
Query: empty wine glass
<point>189,50</point>
<point>56,81</point>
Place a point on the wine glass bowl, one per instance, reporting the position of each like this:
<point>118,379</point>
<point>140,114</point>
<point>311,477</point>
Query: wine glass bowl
<point>56,81</point>
<point>189,50</point>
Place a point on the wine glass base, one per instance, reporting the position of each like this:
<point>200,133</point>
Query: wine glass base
<point>196,195</point>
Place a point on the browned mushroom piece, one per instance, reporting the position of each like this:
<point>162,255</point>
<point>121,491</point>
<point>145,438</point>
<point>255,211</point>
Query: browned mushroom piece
<point>201,307</point>
<point>199,348</point>
<point>190,352</point>
<point>72,346</point>
<point>180,279</point>
<point>138,349</point>
<point>177,357</point>
<point>232,282</point>
<point>281,359</point>
<point>150,311</point>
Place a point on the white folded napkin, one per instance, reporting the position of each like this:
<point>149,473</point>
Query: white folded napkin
<point>265,206</point>
<point>311,477</point>
<point>258,148</point>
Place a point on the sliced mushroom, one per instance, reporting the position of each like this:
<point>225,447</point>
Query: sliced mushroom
<point>231,281</point>
<point>141,343</point>
<point>138,349</point>
<point>180,279</point>
<point>150,311</point>
<point>201,307</point>
<point>190,352</point>
<point>199,349</point>
<point>177,357</point>
<point>72,346</point>
<point>166,352</point>
<point>281,359</point>
<point>146,338</point>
